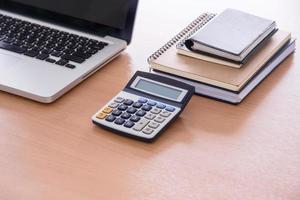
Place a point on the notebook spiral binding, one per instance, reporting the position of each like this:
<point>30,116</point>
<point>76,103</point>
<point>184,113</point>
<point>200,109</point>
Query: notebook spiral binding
<point>191,29</point>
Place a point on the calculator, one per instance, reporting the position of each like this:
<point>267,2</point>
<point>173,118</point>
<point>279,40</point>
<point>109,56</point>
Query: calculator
<point>148,104</point>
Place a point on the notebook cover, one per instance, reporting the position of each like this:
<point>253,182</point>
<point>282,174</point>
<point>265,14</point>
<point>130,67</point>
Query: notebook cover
<point>219,59</point>
<point>245,28</point>
<point>222,76</point>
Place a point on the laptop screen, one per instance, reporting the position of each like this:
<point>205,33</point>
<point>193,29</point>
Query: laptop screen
<point>111,13</point>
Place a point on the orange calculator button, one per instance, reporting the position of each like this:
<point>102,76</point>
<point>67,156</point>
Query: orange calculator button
<point>107,110</point>
<point>101,115</point>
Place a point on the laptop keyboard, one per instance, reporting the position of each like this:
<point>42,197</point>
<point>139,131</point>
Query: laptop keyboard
<point>44,43</point>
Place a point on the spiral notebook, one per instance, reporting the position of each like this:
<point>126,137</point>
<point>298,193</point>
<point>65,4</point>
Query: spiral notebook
<point>168,61</point>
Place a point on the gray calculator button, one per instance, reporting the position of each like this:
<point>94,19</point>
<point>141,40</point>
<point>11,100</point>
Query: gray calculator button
<point>150,116</point>
<point>113,105</point>
<point>119,99</point>
<point>153,125</point>
<point>159,119</point>
<point>148,130</point>
<point>165,113</point>
<point>141,124</point>
<point>155,110</point>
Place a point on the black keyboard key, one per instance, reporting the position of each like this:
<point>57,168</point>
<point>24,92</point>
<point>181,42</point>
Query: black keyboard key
<point>31,53</point>
<point>82,55</point>
<point>59,48</point>
<point>68,51</point>
<point>80,48</point>
<point>92,51</point>
<point>70,66</point>
<point>46,51</point>
<point>72,43</point>
<point>56,53</point>
<point>84,39</point>
<point>50,60</point>
<point>100,47</point>
<point>62,62</point>
<point>73,58</point>
<point>17,43</point>
<point>13,48</point>
<point>42,56</point>
<point>36,48</point>
<point>56,35</point>
<point>8,40</point>
<point>49,45</point>
<point>86,55</point>
<point>104,43</point>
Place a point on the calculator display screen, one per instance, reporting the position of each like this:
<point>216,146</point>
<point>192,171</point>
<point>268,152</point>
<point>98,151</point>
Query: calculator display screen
<point>158,89</point>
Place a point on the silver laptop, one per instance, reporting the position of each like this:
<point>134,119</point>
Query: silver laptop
<point>49,46</point>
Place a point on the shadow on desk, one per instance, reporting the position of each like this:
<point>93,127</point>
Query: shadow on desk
<point>221,118</point>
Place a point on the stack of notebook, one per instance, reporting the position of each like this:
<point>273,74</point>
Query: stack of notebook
<point>224,56</point>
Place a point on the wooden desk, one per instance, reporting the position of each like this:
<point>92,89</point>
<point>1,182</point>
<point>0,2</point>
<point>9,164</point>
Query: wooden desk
<point>214,151</point>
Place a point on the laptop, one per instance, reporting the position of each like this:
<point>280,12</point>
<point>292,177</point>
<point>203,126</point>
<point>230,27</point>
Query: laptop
<point>49,46</point>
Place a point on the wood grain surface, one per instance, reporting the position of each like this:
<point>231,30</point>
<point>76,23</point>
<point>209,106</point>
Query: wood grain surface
<point>213,151</point>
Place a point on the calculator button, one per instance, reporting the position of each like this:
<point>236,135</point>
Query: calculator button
<point>147,107</point>
<point>141,113</point>
<point>119,121</point>
<point>150,116</point>
<point>155,110</point>
<point>119,99</point>
<point>116,113</point>
<point>148,130</point>
<point>128,102</point>
<point>160,105</point>
<point>141,124</point>
<point>165,113</point>
<point>153,125</point>
<point>129,124</point>
<point>110,118</point>
<point>137,105</point>
<point>159,119</point>
<point>151,103</point>
<point>135,118</point>
<point>170,109</point>
<point>131,110</point>
<point>122,107</point>
<point>142,100</point>
<point>125,115</point>
<point>101,115</point>
<point>113,105</point>
<point>107,110</point>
